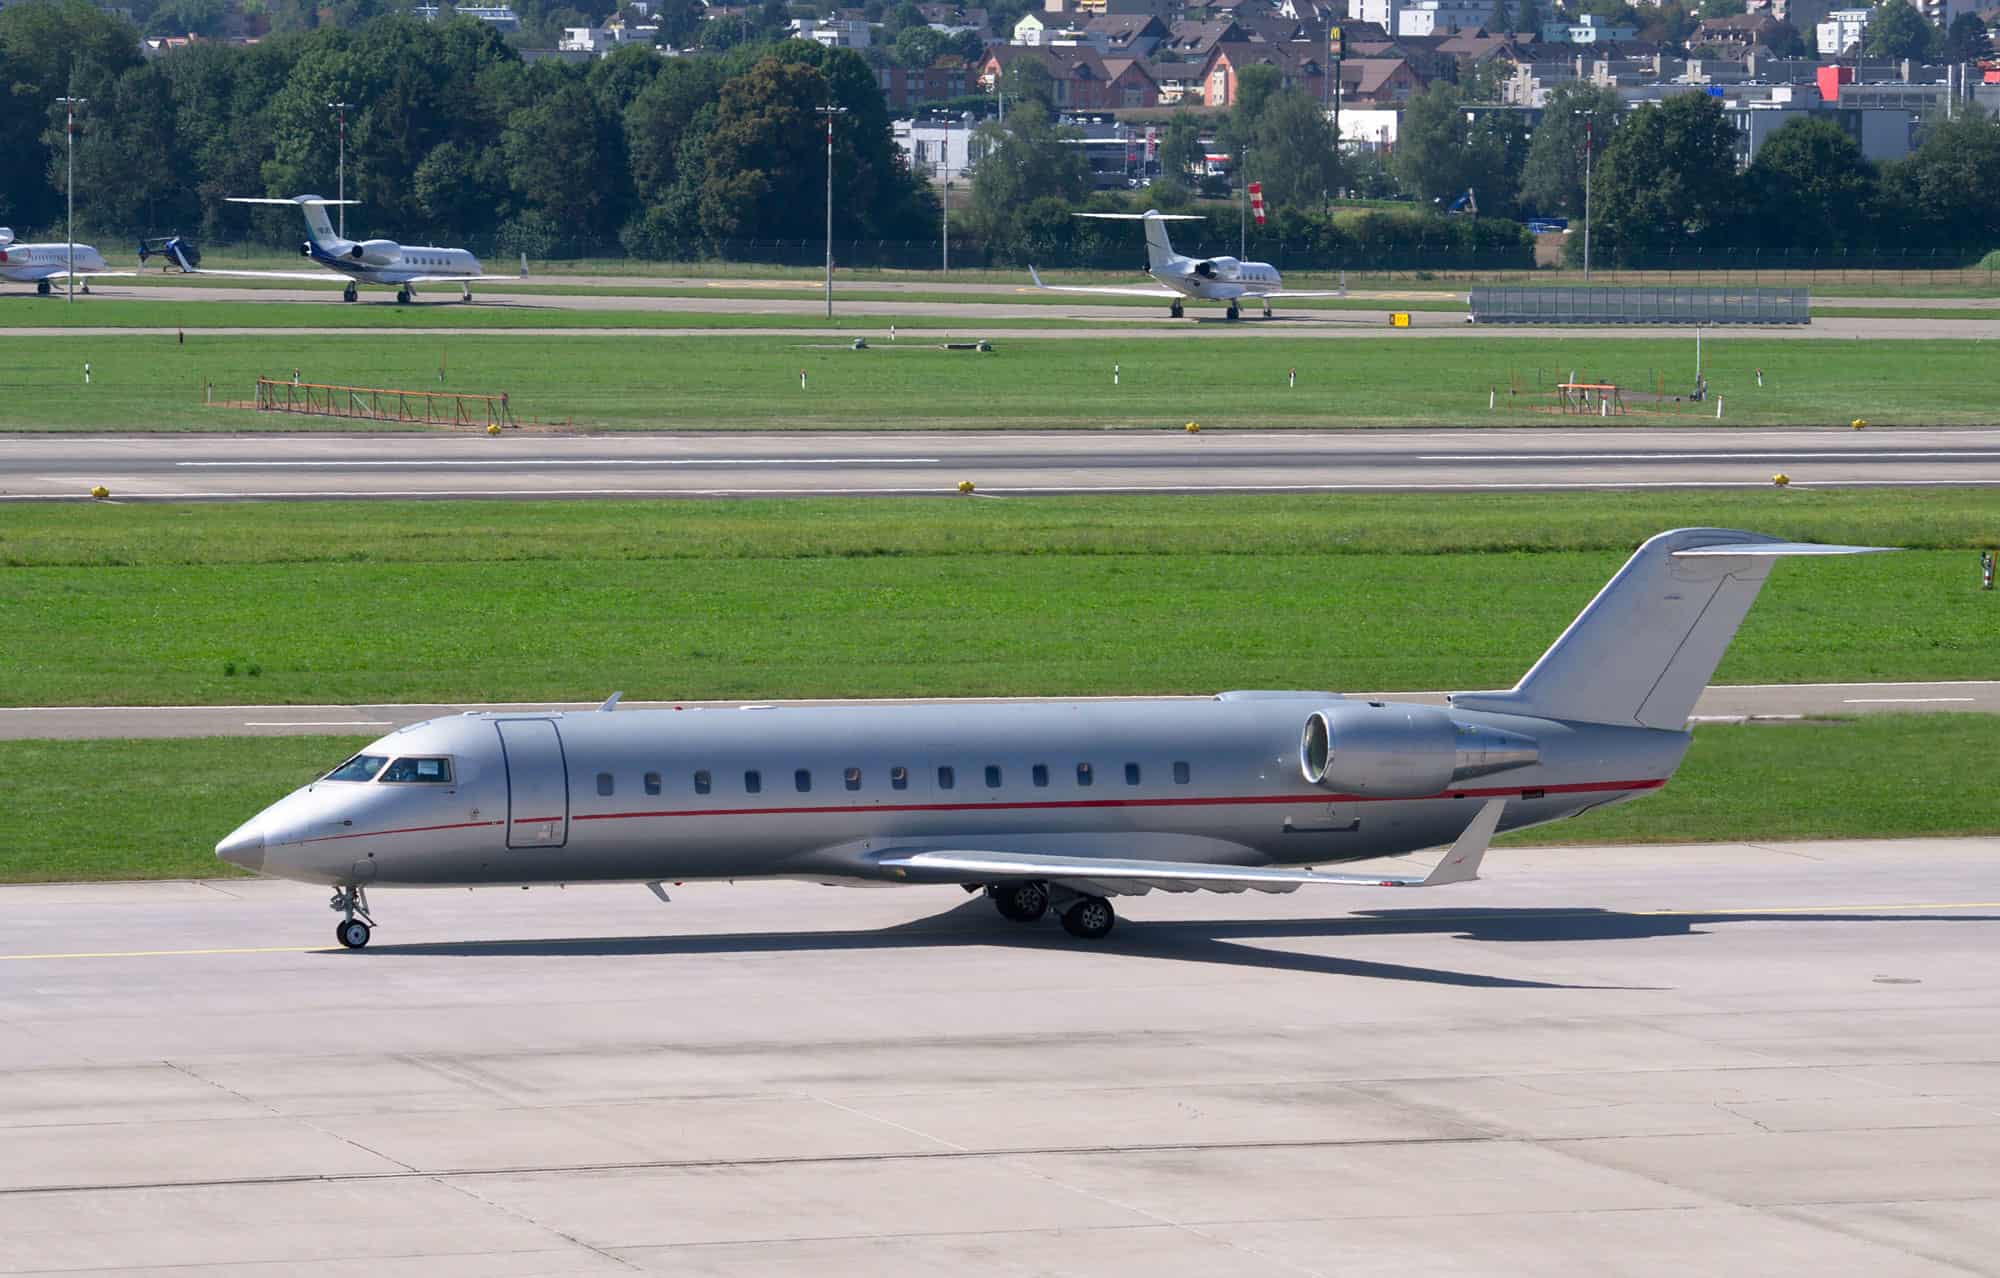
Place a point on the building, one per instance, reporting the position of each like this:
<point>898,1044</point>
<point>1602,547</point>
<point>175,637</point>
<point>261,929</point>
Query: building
<point>835,33</point>
<point>937,148</point>
<point>1125,35</point>
<point>498,15</point>
<point>1082,78</point>
<point>942,81</point>
<point>1587,29</point>
<point>1442,17</point>
<point>1738,33</point>
<point>1384,82</point>
<point>1842,30</point>
<point>583,40</point>
<point>1298,68</point>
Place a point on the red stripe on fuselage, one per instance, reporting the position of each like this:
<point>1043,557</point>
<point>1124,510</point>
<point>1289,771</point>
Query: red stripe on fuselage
<point>412,829</point>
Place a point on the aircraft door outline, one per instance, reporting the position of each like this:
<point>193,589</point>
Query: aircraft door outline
<point>537,783</point>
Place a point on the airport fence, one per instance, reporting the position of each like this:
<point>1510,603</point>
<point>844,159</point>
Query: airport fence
<point>1612,304</point>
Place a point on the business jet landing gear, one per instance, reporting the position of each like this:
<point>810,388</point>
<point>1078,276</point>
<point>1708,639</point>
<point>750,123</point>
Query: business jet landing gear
<point>353,930</point>
<point>1089,918</point>
<point>350,293</point>
<point>1175,309</point>
<point>403,296</point>
<point>42,289</point>
<point>1023,902</point>
<point>465,294</point>
<point>85,288</point>
<point>1267,310</point>
<point>1234,312</point>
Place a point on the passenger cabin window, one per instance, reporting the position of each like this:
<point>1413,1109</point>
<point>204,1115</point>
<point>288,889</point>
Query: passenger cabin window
<point>1083,776</point>
<point>851,778</point>
<point>899,778</point>
<point>653,783</point>
<point>436,771</point>
<point>1040,773</point>
<point>604,785</point>
<point>362,767</point>
<point>753,782</point>
<point>946,778</point>
<point>1131,774</point>
<point>802,780</point>
<point>703,783</point>
<point>992,776</point>
<point>1181,774</point>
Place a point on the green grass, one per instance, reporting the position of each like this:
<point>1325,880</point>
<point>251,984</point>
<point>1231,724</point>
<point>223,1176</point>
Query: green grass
<point>1873,777</point>
<point>478,602</point>
<point>154,382</point>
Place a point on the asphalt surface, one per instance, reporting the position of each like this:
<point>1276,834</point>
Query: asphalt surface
<point>1623,1061</point>
<point>1718,704</point>
<point>385,465</point>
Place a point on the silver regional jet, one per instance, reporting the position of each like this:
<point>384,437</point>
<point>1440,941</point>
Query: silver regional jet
<point>1211,279</point>
<point>1041,805</point>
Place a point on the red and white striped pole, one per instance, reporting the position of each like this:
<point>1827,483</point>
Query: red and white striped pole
<point>1257,201</point>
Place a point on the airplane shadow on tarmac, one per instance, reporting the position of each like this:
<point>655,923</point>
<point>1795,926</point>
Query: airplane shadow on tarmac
<point>1230,942</point>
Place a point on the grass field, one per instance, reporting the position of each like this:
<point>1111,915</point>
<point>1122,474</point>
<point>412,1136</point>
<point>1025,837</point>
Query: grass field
<point>115,605</point>
<point>1875,777</point>
<point>155,382</point>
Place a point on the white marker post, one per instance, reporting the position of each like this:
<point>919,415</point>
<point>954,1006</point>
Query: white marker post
<point>802,379</point>
<point>1114,374</point>
<point>86,372</point>
<point>1291,378</point>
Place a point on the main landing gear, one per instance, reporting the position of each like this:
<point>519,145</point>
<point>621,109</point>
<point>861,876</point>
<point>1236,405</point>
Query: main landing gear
<point>403,295</point>
<point>1234,312</point>
<point>350,293</point>
<point>1175,309</point>
<point>42,289</point>
<point>1088,918</point>
<point>1267,309</point>
<point>354,930</point>
<point>465,294</point>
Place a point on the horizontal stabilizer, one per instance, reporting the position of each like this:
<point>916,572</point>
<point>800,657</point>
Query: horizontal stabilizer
<point>1779,548</point>
<point>1140,217</point>
<point>296,200</point>
<point>1035,275</point>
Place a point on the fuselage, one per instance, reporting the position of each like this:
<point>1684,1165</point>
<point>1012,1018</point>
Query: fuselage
<point>1219,279</point>
<point>386,262</point>
<point>29,263</point>
<point>821,792</point>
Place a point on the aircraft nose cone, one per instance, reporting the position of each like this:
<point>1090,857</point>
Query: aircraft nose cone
<point>244,847</point>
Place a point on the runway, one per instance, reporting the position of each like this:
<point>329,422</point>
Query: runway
<point>1719,703</point>
<point>1626,1061</point>
<point>1000,464</point>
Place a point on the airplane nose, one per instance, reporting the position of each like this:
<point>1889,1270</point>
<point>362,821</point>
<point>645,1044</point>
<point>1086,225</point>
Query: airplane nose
<point>244,847</point>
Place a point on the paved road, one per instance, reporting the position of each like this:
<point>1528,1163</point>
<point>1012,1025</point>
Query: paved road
<point>1721,703</point>
<point>192,467</point>
<point>1654,1061</point>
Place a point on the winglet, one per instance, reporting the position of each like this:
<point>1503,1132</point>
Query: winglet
<point>1461,864</point>
<point>610,703</point>
<point>1035,275</point>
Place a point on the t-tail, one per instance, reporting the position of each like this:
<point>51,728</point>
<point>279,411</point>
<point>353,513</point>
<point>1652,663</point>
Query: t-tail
<point>1160,253</point>
<point>1647,645</point>
<point>319,228</point>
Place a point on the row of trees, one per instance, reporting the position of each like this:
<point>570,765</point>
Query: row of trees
<point>1666,176</point>
<point>452,135</point>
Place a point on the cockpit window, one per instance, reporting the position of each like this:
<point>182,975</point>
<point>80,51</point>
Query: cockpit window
<point>432,770</point>
<point>362,767</point>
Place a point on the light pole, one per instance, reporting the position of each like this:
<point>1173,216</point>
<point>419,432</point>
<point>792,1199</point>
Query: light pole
<point>69,193</point>
<point>342,107</point>
<point>1587,123</point>
<point>944,234</point>
<point>829,112</point>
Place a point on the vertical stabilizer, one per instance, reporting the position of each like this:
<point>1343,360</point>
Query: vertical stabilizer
<point>1647,645</point>
<point>1159,249</point>
<point>318,226</point>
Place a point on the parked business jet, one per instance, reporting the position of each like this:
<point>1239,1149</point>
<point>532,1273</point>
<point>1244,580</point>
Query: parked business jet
<point>43,264</point>
<point>382,262</point>
<point>1209,279</point>
<point>1041,805</point>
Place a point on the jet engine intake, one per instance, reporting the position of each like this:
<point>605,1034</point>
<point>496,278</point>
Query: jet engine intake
<point>1403,751</point>
<point>1205,269</point>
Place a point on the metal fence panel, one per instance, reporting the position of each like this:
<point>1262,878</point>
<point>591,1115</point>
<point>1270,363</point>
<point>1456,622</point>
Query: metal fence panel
<point>1563,305</point>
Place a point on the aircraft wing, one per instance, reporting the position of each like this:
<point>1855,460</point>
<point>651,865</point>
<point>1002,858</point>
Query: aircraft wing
<point>316,277</point>
<point>85,275</point>
<point>1299,292</point>
<point>1122,877</point>
<point>1100,288</point>
<point>454,279</point>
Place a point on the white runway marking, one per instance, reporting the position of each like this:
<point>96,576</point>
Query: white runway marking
<point>337,723</point>
<point>1857,454</point>
<point>572,461</point>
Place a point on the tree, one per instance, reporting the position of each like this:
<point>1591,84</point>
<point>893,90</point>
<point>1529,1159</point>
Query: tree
<point>556,153</point>
<point>1292,151</point>
<point>1430,159</point>
<point>1018,162</point>
<point>41,46</point>
<point>1503,18</point>
<point>1811,188</point>
<point>1256,84</point>
<point>1948,192</point>
<point>1897,30</point>
<point>1530,17</point>
<point>658,121</point>
<point>918,46</point>
<point>1667,178</point>
<point>1552,174</point>
<point>1966,40</point>
<point>1027,78</point>
<point>1181,151</point>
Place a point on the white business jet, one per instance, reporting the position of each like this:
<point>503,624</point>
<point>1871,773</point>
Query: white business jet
<point>1209,279</point>
<point>383,262</point>
<point>42,264</point>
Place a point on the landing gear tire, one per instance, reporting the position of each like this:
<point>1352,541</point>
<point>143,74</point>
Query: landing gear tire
<point>1090,918</point>
<point>402,297</point>
<point>1267,310</point>
<point>41,288</point>
<point>352,933</point>
<point>465,294</point>
<point>1024,902</point>
<point>1234,312</point>
<point>350,293</point>
<point>85,287</point>
<point>354,929</point>
<point>1176,310</point>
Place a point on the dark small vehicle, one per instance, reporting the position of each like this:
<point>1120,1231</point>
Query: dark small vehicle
<point>180,252</point>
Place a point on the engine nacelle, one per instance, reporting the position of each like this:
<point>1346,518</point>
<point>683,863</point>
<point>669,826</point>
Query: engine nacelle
<point>1403,751</point>
<point>6,237</point>
<point>376,252</point>
<point>1205,269</point>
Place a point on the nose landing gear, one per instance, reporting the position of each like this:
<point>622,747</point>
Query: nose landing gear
<point>349,293</point>
<point>1175,309</point>
<point>354,930</point>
